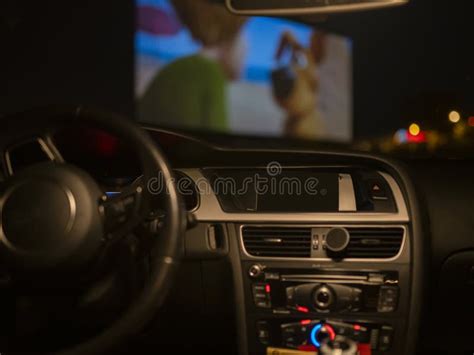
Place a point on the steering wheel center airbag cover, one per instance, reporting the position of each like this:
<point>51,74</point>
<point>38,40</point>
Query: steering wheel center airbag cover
<point>49,217</point>
<point>40,224</point>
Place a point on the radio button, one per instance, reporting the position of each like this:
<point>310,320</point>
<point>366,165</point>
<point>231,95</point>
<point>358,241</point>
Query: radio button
<point>388,299</point>
<point>290,297</point>
<point>272,276</point>
<point>374,338</point>
<point>288,330</point>
<point>281,311</point>
<point>261,295</point>
<point>385,338</point>
<point>263,333</point>
<point>263,304</point>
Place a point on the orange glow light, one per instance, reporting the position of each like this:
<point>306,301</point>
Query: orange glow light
<point>414,129</point>
<point>454,116</point>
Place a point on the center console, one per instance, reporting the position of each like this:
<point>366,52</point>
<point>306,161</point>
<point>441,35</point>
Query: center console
<point>294,302</point>
<point>308,269</point>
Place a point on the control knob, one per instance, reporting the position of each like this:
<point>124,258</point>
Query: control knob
<point>323,297</point>
<point>321,332</point>
<point>340,345</point>
<point>336,241</point>
<point>255,271</point>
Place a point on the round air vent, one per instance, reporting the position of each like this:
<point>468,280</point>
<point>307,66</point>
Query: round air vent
<point>188,191</point>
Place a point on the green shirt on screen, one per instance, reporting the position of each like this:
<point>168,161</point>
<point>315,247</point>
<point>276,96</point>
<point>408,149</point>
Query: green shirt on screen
<point>190,93</point>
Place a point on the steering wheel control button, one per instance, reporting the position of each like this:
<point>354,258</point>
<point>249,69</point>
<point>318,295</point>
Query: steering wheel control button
<point>336,241</point>
<point>120,209</point>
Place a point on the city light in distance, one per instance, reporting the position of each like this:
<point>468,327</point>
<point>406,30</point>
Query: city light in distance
<point>454,116</point>
<point>414,129</point>
<point>401,136</point>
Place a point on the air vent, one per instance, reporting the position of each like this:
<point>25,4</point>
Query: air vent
<point>277,242</point>
<point>374,243</point>
<point>188,190</point>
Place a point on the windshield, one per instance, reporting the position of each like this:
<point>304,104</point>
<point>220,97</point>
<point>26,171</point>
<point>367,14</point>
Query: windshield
<point>205,68</point>
<point>360,79</point>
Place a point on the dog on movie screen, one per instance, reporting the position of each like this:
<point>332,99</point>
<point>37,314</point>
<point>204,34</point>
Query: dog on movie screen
<point>295,85</point>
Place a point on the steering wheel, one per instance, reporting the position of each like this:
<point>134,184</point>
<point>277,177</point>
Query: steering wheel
<point>55,219</point>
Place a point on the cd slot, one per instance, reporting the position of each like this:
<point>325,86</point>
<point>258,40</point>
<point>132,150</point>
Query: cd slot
<point>342,279</point>
<point>339,277</point>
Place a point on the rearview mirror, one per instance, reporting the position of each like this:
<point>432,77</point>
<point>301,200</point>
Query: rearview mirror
<point>302,7</point>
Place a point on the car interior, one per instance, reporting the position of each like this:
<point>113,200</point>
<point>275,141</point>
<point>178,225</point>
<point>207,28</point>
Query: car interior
<point>242,177</point>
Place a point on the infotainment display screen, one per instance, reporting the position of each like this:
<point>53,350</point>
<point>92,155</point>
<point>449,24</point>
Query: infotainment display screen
<point>275,190</point>
<point>300,192</point>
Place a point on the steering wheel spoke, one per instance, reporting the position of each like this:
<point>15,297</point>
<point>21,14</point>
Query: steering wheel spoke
<point>52,148</point>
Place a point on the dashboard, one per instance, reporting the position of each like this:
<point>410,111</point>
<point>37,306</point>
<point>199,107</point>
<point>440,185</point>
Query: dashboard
<point>338,264</point>
<point>318,243</point>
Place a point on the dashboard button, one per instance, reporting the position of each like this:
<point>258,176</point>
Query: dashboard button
<point>290,297</point>
<point>263,304</point>
<point>255,271</point>
<point>388,299</point>
<point>385,338</point>
<point>263,334</point>
<point>377,191</point>
<point>272,276</point>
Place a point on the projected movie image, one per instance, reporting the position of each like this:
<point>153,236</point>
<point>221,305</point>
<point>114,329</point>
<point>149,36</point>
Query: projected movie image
<point>200,67</point>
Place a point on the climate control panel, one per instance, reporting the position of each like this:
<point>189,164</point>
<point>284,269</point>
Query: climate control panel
<point>309,334</point>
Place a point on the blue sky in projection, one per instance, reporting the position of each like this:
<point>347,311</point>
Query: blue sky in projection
<point>261,36</point>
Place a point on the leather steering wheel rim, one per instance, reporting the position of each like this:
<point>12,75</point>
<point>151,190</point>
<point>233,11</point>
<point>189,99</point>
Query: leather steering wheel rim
<point>166,248</point>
